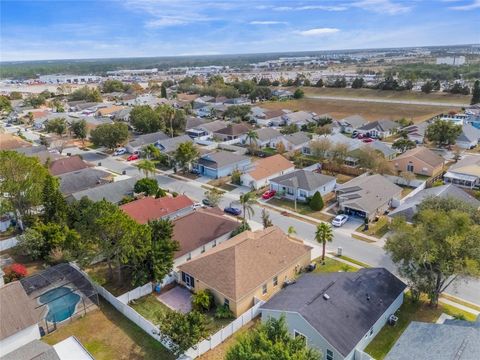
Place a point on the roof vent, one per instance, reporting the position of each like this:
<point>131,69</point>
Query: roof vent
<point>368,297</point>
<point>325,296</point>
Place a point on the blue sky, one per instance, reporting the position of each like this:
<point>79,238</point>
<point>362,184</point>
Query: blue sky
<point>68,29</point>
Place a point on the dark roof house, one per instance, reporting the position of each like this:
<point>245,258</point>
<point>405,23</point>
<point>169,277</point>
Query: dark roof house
<point>83,179</point>
<point>66,165</point>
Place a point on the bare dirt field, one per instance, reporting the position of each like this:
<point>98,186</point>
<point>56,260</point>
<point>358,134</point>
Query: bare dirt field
<point>440,97</point>
<point>339,109</point>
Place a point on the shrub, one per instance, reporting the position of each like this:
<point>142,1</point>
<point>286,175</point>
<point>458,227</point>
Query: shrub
<point>240,229</point>
<point>147,186</point>
<point>223,312</point>
<point>160,193</point>
<point>236,177</point>
<point>174,194</point>
<point>316,203</point>
<point>202,300</point>
<point>14,272</point>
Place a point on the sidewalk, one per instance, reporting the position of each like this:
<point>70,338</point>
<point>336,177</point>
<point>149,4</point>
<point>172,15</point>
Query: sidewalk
<point>460,306</point>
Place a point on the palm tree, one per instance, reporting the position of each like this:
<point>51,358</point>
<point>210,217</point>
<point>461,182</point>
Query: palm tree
<point>151,151</point>
<point>323,235</point>
<point>252,138</point>
<point>147,167</point>
<point>247,200</point>
<point>291,231</point>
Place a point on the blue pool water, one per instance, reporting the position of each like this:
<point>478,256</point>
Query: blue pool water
<point>61,303</point>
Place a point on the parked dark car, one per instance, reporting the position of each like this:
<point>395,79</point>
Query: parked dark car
<point>233,211</point>
<point>206,202</point>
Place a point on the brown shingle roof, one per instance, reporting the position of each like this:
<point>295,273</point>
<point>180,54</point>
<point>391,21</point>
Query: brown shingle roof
<point>149,208</point>
<point>270,166</point>
<point>423,154</point>
<point>10,142</point>
<point>199,228</point>
<point>240,265</point>
<point>66,165</point>
<point>17,310</point>
<point>234,129</point>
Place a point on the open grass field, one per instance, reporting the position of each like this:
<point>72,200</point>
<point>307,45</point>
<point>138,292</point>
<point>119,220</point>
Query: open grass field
<point>339,109</point>
<point>108,335</point>
<point>440,97</point>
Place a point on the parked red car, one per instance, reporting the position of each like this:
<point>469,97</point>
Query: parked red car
<point>132,157</point>
<point>367,140</point>
<point>268,194</point>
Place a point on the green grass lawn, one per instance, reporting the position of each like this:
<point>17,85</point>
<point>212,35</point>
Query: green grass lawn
<point>332,265</point>
<point>376,229</point>
<point>107,335</point>
<point>302,208</point>
<point>359,263</point>
<point>408,312</point>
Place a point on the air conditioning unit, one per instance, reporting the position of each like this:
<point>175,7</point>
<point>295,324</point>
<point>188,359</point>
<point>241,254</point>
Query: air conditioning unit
<point>392,320</point>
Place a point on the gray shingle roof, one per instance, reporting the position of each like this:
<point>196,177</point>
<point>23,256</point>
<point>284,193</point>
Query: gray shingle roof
<point>349,313</point>
<point>409,208</point>
<point>221,159</point>
<point>34,350</point>
<point>113,192</point>
<point>302,179</point>
<point>380,125</point>
<point>469,134</point>
<point>437,342</point>
<point>147,139</point>
<point>83,179</point>
<point>297,138</point>
<point>171,144</point>
<point>267,133</point>
<point>354,121</point>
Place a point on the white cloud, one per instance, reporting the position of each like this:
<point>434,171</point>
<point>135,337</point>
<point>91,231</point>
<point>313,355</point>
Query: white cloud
<point>471,6</point>
<point>267,22</point>
<point>311,7</point>
<point>382,6</point>
<point>318,32</point>
<point>164,22</point>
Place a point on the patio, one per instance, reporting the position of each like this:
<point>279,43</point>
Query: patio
<point>178,299</point>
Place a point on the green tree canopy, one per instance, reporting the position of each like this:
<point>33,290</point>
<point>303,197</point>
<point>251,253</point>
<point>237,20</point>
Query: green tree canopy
<point>5,104</point>
<point>112,85</point>
<point>109,135</point>
<point>298,94</point>
<point>54,204</point>
<point>185,154</point>
<point>56,125</point>
<point>87,94</point>
<point>79,129</point>
<point>324,234</point>
<point>443,132</point>
<point>271,341</point>
<point>146,120</point>
<point>316,202</point>
<point>476,93</point>
<point>147,186</point>
<point>237,111</point>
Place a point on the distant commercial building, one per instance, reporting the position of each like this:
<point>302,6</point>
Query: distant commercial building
<point>69,79</point>
<point>132,72</point>
<point>451,60</point>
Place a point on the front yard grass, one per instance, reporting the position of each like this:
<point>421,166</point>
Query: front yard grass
<point>376,229</point>
<point>353,261</point>
<point>332,265</point>
<point>302,208</point>
<point>107,334</point>
<point>408,312</point>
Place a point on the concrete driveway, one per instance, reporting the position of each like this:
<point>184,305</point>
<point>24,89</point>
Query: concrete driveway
<point>178,299</point>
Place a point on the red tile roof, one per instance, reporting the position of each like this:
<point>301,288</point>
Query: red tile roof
<point>149,208</point>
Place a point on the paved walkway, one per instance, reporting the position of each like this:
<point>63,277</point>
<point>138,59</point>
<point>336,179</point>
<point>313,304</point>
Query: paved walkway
<point>460,306</point>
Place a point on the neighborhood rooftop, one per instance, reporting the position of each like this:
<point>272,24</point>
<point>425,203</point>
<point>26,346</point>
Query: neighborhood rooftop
<point>303,179</point>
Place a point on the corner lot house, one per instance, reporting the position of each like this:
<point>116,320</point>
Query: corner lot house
<point>338,313</point>
<point>302,184</point>
<point>465,173</point>
<point>222,163</point>
<point>454,339</point>
<point>367,196</point>
<point>149,208</point>
<point>266,169</point>
<point>19,318</point>
<point>420,161</point>
<point>200,231</point>
<point>252,265</point>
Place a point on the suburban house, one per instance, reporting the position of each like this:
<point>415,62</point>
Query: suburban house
<point>200,231</point>
<point>170,145</point>
<point>222,163</point>
<point>268,117</point>
<point>296,141</point>
<point>302,184</point>
<point>20,316</point>
<point>354,155</point>
<point>249,267</point>
<point>12,142</point>
<point>232,132</point>
<point>113,192</point>
<point>351,123</point>
<point>268,137</point>
<point>416,132</point>
<point>367,196</point>
<point>40,152</point>
<point>282,94</point>
<point>299,118</point>
<point>464,173</point>
<point>206,129</point>
<point>469,138</point>
<point>452,339</point>
<point>140,141</point>
<point>420,161</point>
<point>379,129</point>
<point>109,111</point>
<point>338,313</point>
<point>149,208</point>
<point>66,165</point>
<point>266,169</point>
<point>409,207</point>
<point>75,181</point>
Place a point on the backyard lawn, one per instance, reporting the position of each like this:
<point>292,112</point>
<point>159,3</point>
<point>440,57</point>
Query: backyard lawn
<point>99,274</point>
<point>107,335</point>
<point>332,265</point>
<point>302,208</point>
<point>408,312</point>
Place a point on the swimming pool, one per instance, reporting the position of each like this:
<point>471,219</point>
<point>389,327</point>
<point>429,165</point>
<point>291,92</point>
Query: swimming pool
<point>61,303</point>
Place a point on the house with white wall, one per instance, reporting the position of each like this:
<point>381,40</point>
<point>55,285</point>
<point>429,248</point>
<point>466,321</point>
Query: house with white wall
<point>266,169</point>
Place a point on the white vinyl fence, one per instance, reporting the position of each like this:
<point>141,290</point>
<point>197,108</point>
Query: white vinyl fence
<point>216,339</point>
<point>136,293</point>
<point>8,243</point>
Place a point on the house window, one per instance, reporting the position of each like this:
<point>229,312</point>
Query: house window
<point>410,167</point>
<point>298,334</point>
<point>203,249</point>
<point>264,289</point>
<point>329,354</point>
<point>303,193</point>
<point>226,302</point>
<point>275,281</point>
<point>188,280</point>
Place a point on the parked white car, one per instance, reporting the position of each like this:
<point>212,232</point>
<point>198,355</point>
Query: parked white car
<point>339,220</point>
<point>197,205</point>
<point>120,151</point>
